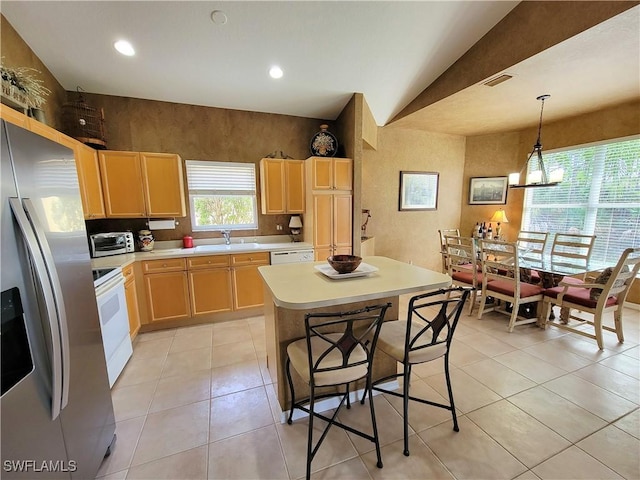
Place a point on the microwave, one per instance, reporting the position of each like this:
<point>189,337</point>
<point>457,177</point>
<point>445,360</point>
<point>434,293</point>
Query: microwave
<point>114,243</point>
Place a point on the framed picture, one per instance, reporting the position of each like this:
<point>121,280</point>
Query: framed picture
<point>488,190</point>
<point>418,191</point>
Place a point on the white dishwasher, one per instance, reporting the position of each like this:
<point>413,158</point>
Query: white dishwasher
<point>292,256</point>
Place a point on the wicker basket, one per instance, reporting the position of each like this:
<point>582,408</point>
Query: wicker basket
<point>84,123</point>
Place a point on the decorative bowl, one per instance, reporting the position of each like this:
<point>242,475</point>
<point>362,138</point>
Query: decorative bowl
<point>344,263</point>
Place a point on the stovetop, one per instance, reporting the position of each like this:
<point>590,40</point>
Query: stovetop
<point>102,275</point>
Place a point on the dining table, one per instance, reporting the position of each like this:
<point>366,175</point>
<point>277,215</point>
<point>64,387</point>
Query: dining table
<point>295,289</point>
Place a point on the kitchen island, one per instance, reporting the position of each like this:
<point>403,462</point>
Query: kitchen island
<point>297,289</point>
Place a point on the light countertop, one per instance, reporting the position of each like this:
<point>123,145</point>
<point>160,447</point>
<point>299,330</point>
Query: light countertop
<point>301,286</point>
<point>220,249</point>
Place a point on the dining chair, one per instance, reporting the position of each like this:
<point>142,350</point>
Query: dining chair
<point>501,280</point>
<point>443,250</point>
<point>424,336</point>
<point>606,293</point>
<point>337,350</point>
<point>532,245</point>
<point>463,265</point>
<point>572,249</point>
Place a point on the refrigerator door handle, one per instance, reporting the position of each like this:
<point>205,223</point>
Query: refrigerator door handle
<point>40,270</point>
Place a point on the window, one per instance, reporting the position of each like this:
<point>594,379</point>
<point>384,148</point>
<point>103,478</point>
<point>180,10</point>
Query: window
<point>222,195</point>
<point>600,195</point>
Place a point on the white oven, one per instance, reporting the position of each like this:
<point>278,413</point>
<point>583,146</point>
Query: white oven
<point>114,319</point>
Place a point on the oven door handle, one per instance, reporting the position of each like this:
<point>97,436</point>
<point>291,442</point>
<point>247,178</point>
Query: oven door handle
<point>41,275</point>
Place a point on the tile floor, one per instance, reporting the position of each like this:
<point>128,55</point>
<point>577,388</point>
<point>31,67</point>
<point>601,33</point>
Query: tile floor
<point>197,403</point>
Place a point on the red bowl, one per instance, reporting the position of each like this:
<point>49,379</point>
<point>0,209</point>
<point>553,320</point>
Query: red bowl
<point>344,263</point>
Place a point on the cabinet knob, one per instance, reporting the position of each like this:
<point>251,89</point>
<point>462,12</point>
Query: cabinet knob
<point>164,264</point>
<point>208,261</point>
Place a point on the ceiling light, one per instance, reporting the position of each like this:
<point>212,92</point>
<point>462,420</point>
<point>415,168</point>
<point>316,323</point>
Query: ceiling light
<point>219,17</point>
<point>539,177</point>
<point>276,72</point>
<point>125,48</point>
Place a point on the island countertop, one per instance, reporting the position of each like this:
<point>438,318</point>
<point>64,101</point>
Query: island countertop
<point>300,286</point>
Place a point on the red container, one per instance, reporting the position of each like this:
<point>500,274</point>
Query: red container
<point>187,241</point>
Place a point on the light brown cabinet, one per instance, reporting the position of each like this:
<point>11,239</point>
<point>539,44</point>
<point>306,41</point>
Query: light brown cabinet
<point>282,184</point>
<point>89,177</point>
<point>142,184</point>
<point>132,301</point>
<point>331,173</point>
<point>247,282</point>
<point>210,284</point>
<point>85,157</point>
<point>329,207</point>
<point>167,289</point>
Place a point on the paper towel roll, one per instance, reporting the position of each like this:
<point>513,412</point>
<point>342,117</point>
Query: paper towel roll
<point>162,224</point>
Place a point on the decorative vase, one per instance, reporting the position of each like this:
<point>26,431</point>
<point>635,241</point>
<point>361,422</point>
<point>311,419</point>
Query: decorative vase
<point>145,240</point>
<point>324,143</point>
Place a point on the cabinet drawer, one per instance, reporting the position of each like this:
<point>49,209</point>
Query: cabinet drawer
<point>166,265</point>
<point>254,258</point>
<point>208,261</point>
<point>127,273</point>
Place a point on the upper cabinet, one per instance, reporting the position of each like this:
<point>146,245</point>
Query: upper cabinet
<point>142,184</point>
<point>89,176</point>
<point>85,157</point>
<point>331,173</point>
<point>281,186</point>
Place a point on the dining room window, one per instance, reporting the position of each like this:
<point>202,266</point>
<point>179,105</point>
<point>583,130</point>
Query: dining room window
<point>222,195</point>
<point>600,195</point>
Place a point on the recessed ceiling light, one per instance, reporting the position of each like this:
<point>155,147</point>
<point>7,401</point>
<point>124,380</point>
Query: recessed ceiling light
<point>276,72</point>
<point>125,48</point>
<point>219,17</point>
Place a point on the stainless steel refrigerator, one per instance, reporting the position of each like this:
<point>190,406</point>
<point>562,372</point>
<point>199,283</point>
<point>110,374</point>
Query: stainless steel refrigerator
<point>57,414</point>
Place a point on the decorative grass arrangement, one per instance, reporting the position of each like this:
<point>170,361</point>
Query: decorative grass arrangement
<point>20,85</point>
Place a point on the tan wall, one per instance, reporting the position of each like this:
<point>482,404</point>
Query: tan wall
<point>16,53</point>
<point>411,236</point>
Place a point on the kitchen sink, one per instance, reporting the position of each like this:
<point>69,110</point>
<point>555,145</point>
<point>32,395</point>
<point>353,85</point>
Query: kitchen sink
<point>234,247</point>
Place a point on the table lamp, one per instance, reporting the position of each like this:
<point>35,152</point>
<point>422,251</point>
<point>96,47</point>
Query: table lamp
<point>499,217</point>
<point>295,225</point>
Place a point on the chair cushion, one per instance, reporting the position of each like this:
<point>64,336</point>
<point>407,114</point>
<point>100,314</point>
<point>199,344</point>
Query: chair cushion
<point>467,277</point>
<point>508,288</point>
<point>579,296</point>
<point>297,352</point>
<point>391,342</point>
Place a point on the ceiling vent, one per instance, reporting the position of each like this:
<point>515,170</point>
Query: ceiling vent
<point>498,80</point>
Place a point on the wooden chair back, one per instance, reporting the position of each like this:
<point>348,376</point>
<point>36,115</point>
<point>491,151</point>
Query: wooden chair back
<point>571,249</point>
<point>533,243</point>
<point>443,233</point>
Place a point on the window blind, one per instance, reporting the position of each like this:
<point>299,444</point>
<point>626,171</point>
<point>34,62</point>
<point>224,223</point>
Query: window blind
<point>600,195</point>
<point>208,178</point>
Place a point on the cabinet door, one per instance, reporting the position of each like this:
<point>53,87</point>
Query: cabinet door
<point>294,185</point>
<point>132,307</point>
<point>272,186</point>
<point>167,295</point>
<point>210,291</point>
<point>163,184</point>
<point>122,184</point>
<point>342,224</point>
<point>322,218</point>
<point>322,176</point>
<point>89,177</point>
<point>247,287</point>
<point>343,174</point>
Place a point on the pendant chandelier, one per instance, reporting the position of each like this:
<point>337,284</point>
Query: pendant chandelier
<point>537,177</point>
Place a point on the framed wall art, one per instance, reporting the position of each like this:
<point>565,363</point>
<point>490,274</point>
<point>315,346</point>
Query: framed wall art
<point>488,190</point>
<point>418,191</point>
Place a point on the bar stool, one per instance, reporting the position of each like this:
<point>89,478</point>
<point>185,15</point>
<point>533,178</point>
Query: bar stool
<point>337,350</point>
<point>425,336</point>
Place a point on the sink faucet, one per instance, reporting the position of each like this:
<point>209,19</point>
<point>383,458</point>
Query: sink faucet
<point>227,236</point>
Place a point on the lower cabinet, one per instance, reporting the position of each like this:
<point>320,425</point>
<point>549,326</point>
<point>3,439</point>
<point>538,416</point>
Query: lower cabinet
<point>167,289</point>
<point>180,288</point>
<point>132,300</point>
<point>210,284</point>
<point>247,282</point>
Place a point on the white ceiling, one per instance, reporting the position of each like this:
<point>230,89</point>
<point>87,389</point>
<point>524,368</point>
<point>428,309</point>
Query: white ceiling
<point>389,51</point>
